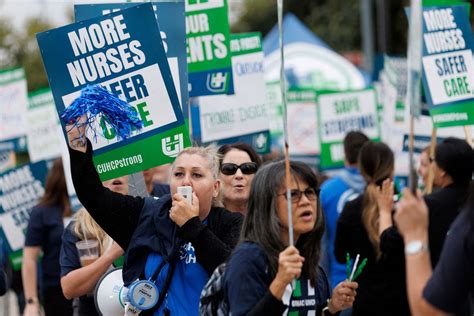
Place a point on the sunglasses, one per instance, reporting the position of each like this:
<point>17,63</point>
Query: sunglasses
<point>296,195</point>
<point>231,168</point>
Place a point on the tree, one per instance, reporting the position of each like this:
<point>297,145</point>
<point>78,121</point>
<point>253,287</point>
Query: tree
<point>18,48</point>
<point>337,22</point>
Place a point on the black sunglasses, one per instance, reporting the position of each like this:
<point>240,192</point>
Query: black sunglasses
<point>231,168</point>
<point>310,193</point>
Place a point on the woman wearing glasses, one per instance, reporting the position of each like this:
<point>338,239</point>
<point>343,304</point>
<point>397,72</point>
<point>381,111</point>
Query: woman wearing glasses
<point>258,277</point>
<point>168,241</point>
<point>238,164</point>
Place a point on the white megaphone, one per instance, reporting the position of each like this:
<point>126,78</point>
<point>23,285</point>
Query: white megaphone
<point>108,294</point>
<point>111,295</point>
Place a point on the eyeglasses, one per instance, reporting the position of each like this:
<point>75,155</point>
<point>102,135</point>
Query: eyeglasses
<point>310,193</point>
<point>231,168</point>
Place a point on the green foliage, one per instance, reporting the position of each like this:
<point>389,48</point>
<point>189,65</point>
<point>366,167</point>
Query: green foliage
<point>337,22</point>
<point>18,48</point>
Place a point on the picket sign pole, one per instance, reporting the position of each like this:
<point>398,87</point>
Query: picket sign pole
<point>429,184</point>
<point>467,131</point>
<point>413,82</point>
<point>285,122</point>
<point>411,140</point>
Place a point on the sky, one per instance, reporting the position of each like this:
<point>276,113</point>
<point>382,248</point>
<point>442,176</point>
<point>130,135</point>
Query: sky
<point>56,11</point>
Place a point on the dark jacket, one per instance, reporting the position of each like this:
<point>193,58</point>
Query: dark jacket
<point>142,225</point>
<point>382,287</point>
<point>247,281</point>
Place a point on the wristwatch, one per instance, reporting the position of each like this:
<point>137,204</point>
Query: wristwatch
<point>414,247</point>
<point>32,300</point>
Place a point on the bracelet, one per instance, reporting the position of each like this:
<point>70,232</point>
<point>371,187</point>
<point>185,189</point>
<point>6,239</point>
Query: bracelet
<point>326,311</point>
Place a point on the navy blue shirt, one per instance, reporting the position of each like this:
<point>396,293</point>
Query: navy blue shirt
<point>453,278</point>
<point>70,261</point>
<point>69,257</point>
<point>45,229</point>
<point>246,284</point>
<point>160,189</point>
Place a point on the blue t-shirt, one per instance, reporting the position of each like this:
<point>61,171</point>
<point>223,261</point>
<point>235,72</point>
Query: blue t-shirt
<point>186,285</point>
<point>452,281</point>
<point>45,229</point>
<point>335,192</point>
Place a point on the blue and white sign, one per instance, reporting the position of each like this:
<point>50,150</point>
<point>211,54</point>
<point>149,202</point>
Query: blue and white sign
<point>20,190</point>
<point>171,20</point>
<point>123,52</point>
<point>448,67</point>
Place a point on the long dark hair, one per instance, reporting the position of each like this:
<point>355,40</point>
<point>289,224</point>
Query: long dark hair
<point>55,191</point>
<point>376,163</point>
<point>262,225</point>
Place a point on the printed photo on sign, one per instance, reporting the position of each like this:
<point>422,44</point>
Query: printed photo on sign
<point>123,52</point>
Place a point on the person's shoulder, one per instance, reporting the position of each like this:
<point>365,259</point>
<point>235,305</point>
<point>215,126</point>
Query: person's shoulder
<point>247,253</point>
<point>39,212</point>
<point>352,209</point>
<point>355,203</point>
<point>68,233</point>
<point>223,215</point>
<point>331,184</point>
<point>160,189</point>
<point>153,205</point>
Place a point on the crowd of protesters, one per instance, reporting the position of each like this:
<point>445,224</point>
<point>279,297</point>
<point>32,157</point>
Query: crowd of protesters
<point>232,238</point>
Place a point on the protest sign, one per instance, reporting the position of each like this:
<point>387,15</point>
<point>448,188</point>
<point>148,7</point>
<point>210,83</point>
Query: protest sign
<point>303,138</point>
<point>43,138</point>
<point>171,20</point>
<point>123,52</point>
<point>20,190</point>
<point>13,106</point>
<point>448,68</point>
<point>228,117</point>
<point>208,48</point>
<point>340,113</point>
<point>275,114</point>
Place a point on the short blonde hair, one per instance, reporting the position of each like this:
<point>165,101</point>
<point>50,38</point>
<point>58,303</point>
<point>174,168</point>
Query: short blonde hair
<point>209,153</point>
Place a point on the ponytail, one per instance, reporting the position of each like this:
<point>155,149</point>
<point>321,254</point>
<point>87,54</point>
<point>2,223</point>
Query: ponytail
<point>370,217</point>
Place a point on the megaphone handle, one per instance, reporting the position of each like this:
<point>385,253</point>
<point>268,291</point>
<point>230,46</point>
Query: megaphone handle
<point>131,310</point>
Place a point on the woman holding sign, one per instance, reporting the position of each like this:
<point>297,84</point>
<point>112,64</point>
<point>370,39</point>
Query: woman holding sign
<point>170,243</point>
<point>258,278</point>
